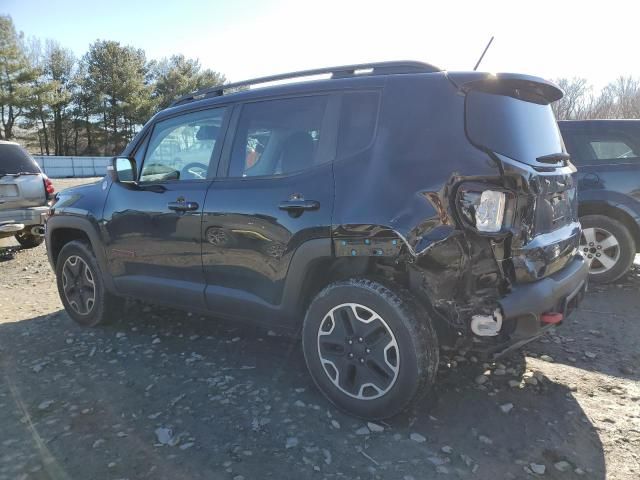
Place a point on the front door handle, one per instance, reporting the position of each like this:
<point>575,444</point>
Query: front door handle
<point>298,206</point>
<point>183,206</point>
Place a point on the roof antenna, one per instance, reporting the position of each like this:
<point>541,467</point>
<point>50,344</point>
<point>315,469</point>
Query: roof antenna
<point>482,56</point>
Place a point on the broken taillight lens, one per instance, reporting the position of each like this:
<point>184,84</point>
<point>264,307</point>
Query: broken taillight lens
<point>490,211</point>
<point>483,209</point>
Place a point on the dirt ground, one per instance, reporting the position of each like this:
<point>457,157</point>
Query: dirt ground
<point>165,394</point>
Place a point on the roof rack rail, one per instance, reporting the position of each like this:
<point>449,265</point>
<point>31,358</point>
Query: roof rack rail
<point>345,71</point>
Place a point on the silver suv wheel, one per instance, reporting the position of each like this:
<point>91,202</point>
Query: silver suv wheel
<point>358,351</point>
<point>600,248</point>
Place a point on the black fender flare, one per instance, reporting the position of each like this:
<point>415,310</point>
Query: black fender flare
<point>90,229</point>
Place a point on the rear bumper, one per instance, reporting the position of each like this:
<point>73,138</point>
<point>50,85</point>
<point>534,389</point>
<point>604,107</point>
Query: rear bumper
<point>521,308</point>
<point>26,216</point>
<point>552,293</point>
<point>546,254</point>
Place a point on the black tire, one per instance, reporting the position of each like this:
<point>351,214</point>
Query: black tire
<point>416,340</point>
<point>624,255</point>
<point>28,240</point>
<point>105,306</point>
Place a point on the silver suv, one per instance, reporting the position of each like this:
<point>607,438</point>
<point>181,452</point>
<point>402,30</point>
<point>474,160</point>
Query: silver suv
<point>24,195</point>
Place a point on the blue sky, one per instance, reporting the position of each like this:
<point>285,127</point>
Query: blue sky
<point>248,38</point>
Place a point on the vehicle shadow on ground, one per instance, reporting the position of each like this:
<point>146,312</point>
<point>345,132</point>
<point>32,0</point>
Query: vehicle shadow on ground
<point>238,401</point>
<point>601,336</point>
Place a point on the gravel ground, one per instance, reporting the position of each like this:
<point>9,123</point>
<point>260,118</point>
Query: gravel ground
<point>166,394</point>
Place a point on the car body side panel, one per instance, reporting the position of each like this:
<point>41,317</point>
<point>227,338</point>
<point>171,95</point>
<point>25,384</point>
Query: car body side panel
<point>288,312</point>
<point>248,242</point>
<point>421,139</point>
<point>416,140</point>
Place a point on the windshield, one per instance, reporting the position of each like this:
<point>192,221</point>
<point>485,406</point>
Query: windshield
<point>519,129</point>
<point>15,159</point>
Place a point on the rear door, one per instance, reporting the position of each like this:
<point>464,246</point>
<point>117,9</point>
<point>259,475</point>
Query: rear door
<point>21,182</point>
<point>274,193</point>
<point>153,228</point>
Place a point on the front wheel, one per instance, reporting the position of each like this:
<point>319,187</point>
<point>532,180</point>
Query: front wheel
<point>608,247</point>
<point>81,287</point>
<point>370,347</point>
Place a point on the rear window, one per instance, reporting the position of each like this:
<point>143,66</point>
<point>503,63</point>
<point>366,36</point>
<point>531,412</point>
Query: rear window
<point>15,159</point>
<point>518,129</point>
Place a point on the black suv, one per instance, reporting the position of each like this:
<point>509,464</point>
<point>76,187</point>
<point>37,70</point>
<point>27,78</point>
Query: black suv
<point>384,211</point>
<point>607,153</point>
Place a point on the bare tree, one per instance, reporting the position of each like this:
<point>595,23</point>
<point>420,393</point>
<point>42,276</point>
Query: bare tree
<point>625,93</point>
<point>573,104</point>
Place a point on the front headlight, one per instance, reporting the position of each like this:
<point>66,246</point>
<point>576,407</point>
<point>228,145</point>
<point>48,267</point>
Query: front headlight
<point>490,212</point>
<point>483,210</point>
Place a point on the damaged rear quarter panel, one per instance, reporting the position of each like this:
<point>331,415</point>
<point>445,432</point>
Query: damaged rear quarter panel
<point>403,187</point>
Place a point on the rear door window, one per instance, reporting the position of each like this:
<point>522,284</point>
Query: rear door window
<point>519,129</point>
<point>15,159</point>
<point>278,137</point>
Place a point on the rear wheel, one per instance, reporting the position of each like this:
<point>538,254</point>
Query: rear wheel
<point>370,347</point>
<point>608,247</point>
<point>81,287</point>
<point>27,240</point>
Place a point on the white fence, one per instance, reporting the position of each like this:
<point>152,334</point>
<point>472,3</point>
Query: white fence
<point>65,167</point>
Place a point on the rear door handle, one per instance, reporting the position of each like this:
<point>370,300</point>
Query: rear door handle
<point>299,205</point>
<point>183,206</point>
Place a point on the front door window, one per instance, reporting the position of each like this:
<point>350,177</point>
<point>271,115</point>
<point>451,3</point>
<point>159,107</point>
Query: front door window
<point>181,148</point>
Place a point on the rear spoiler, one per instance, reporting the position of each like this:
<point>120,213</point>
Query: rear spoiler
<point>525,87</point>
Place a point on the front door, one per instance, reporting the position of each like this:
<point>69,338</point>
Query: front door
<point>153,228</point>
<point>276,192</point>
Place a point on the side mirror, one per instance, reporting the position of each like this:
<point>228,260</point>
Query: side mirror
<point>123,169</point>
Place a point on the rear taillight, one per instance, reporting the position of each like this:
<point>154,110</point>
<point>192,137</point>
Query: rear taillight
<point>483,209</point>
<point>490,211</point>
<point>48,187</point>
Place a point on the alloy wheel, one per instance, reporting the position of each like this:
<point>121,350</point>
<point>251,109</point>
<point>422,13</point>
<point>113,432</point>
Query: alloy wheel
<point>358,351</point>
<point>600,248</point>
<point>78,285</point>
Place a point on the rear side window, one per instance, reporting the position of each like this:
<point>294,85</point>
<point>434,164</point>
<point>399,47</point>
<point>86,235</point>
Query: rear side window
<point>612,149</point>
<point>277,137</point>
<point>358,118</point>
<point>519,129</point>
<point>602,144</point>
<point>15,159</point>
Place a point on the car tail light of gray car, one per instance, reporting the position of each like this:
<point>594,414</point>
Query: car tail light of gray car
<point>49,188</point>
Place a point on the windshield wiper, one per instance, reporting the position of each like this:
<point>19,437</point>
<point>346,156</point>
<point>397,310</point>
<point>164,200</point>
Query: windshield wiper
<point>554,158</point>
